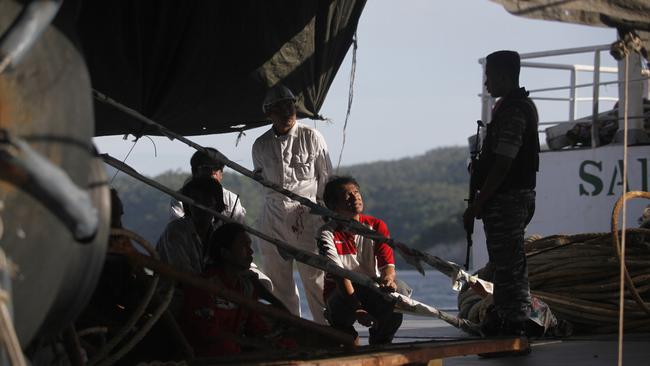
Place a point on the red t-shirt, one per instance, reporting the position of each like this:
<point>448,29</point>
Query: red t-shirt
<point>354,252</point>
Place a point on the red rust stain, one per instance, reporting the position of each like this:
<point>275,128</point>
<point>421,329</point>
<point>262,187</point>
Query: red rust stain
<point>7,104</point>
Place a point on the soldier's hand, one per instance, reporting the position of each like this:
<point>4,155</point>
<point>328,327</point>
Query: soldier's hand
<point>468,219</point>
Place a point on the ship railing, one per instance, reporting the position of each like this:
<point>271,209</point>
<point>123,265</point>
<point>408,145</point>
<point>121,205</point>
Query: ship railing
<point>597,69</point>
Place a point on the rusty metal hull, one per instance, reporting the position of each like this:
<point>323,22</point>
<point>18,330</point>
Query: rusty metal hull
<point>46,101</point>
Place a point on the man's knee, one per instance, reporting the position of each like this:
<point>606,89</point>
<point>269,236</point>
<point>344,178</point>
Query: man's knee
<point>339,312</point>
<point>385,329</point>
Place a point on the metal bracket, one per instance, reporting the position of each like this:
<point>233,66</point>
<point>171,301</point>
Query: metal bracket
<point>34,174</point>
<point>25,31</point>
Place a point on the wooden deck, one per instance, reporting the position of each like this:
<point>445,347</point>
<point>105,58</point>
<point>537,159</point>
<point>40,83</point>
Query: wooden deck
<point>423,341</point>
<point>412,353</point>
<point>575,351</point>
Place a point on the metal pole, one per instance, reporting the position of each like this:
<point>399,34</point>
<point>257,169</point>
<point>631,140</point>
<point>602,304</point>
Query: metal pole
<point>572,95</point>
<point>595,140</point>
<point>485,108</point>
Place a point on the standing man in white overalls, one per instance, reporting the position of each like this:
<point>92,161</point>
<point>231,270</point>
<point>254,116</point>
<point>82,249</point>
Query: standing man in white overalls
<point>294,156</point>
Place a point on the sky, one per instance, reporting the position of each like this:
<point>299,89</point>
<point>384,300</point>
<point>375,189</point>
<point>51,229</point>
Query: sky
<point>416,85</point>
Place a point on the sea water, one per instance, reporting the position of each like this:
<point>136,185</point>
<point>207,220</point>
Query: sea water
<point>433,289</point>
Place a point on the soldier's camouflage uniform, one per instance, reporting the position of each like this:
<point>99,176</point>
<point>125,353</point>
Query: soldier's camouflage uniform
<point>505,219</point>
<point>507,213</point>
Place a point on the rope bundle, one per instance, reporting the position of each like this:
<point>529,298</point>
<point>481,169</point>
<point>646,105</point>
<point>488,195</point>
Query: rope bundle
<point>578,277</point>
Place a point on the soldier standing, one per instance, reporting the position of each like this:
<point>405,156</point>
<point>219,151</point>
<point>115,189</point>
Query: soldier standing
<point>505,176</point>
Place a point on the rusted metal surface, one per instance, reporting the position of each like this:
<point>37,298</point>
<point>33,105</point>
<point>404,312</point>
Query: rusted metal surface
<point>27,29</point>
<point>50,185</point>
<point>626,14</point>
<point>46,102</point>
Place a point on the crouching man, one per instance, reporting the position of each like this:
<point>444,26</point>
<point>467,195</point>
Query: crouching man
<point>215,326</point>
<point>345,302</point>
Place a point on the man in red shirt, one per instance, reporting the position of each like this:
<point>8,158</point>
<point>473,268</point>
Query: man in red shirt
<point>347,303</point>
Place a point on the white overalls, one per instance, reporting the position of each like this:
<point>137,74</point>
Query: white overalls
<point>299,162</point>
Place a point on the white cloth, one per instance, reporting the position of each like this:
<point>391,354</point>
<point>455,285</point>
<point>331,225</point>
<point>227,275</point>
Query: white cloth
<point>299,162</point>
<point>180,245</point>
<point>263,278</point>
<point>232,202</point>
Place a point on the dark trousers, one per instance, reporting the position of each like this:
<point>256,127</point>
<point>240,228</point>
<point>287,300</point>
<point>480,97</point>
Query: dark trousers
<point>505,218</point>
<point>341,315</point>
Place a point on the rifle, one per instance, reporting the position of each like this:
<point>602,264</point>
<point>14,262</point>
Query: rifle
<point>472,189</point>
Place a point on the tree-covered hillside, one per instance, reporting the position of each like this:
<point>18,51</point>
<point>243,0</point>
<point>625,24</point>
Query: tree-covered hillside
<point>420,198</point>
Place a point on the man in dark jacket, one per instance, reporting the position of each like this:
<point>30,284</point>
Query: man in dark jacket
<point>505,176</point>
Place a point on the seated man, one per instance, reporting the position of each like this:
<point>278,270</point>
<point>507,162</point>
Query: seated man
<point>183,243</point>
<point>347,302</point>
<point>215,326</point>
<point>204,166</point>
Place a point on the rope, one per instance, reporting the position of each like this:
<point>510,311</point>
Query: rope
<point>412,256</point>
<point>155,149</point>
<point>127,155</point>
<point>92,330</point>
<point>139,310</point>
<point>621,252</point>
<point>164,304</point>
<point>8,335</point>
<point>353,69</point>
<point>217,289</point>
<point>142,332</point>
<point>239,137</point>
<point>300,255</point>
<point>578,277</point>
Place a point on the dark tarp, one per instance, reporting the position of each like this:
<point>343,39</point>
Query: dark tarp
<point>199,67</point>
<point>631,14</point>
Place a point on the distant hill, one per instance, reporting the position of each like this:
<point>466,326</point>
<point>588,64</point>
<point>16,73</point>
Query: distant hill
<point>420,198</point>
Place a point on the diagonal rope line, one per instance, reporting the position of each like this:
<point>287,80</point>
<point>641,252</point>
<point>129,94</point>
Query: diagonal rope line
<point>353,69</point>
<point>621,294</point>
<point>300,255</point>
<point>155,149</point>
<point>412,256</point>
<point>126,157</point>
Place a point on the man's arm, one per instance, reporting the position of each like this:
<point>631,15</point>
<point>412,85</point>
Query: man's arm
<point>256,155</point>
<point>385,259</point>
<point>323,166</point>
<point>509,141</point>
<point>494,179</point>
<point>387,279</point>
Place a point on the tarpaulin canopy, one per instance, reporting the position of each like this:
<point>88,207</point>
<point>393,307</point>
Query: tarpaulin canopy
<point>630,14</point>
<point>201,67</point>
